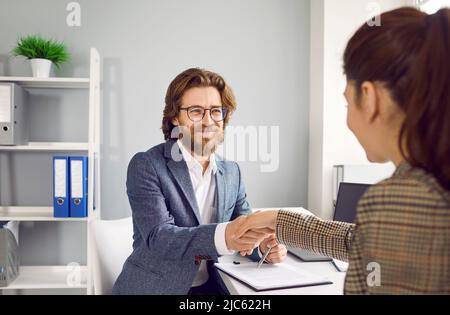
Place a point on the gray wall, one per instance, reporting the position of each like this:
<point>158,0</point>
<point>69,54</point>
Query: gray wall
<point>260,46</point>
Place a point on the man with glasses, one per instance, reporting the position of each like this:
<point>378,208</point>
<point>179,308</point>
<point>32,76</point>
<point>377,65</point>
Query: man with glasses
<point>183,196</point>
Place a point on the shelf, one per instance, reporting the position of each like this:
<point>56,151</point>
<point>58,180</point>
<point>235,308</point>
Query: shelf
<point>56,277</point>
<point>61,83</point>
<point>47,277</point>
<point>32,214</point>
<point>48,146</point>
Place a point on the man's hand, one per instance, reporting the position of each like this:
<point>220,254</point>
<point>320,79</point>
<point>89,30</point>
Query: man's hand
<point>277,253</point>
<point>247,242</point>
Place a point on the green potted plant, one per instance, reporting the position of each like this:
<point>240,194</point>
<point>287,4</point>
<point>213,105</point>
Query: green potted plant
<point>41,53</point>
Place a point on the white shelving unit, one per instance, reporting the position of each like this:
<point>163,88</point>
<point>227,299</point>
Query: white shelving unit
<point>49,277</point>
<point>59,277</point>
<point>49,83</point>
<point>49,146</point>
<point>32,214</point>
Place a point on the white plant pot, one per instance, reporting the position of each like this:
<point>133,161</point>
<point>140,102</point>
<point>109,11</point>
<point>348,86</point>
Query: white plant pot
<point>41,67</point>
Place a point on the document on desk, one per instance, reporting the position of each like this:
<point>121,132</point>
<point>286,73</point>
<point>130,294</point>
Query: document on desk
<point>271,277</point>
<point>341,266</point>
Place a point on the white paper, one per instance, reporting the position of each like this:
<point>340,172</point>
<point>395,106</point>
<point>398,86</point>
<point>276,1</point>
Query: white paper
<point>271,276</point>
<point>340,265</point>
<point>76,175</point>
<point>5,103</point>
<point>60,178</point>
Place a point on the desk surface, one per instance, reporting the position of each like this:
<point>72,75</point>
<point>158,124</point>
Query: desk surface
<point>326,269</point>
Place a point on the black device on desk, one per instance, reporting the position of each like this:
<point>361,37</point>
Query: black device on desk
<point>345,211</point>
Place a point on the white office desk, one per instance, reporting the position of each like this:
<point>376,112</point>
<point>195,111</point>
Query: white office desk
<point>326,269</point>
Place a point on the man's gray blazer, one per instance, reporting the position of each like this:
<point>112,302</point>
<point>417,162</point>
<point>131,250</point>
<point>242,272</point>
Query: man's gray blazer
<point>169,242</point>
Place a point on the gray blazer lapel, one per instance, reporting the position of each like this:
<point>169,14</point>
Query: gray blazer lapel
<point>181,174</point>
<point>221,192</point>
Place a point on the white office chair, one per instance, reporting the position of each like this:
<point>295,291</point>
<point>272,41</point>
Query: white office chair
<point>113,242</point>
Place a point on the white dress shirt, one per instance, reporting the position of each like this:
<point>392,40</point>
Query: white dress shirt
<point>204,185</point>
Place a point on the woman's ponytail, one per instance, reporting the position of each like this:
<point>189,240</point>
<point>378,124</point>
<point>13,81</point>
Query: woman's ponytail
<point>426,129</point>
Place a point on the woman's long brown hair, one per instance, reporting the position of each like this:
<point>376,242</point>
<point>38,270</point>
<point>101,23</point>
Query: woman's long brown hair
<point>410,53</point>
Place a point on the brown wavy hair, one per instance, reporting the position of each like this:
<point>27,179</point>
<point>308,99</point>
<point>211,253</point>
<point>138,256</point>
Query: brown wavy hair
<point>410,54</point>
<point>191,78</point>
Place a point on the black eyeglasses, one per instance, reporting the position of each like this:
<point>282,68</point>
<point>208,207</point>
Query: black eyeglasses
<point>197,113</point>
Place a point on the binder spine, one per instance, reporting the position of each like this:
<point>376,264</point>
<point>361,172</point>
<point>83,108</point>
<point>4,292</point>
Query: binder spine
<point>61,178</point>
<point>79,187</point>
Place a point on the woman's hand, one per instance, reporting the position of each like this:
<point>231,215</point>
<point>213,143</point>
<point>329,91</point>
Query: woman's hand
<point>248,241</point>
<point>258,221</point>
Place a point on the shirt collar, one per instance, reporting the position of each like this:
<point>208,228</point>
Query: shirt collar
<point>192,163</point>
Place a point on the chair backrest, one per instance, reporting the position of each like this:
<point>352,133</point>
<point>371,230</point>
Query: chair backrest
<point>113,243</point>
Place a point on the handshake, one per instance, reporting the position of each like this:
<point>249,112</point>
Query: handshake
<point>248,232</point>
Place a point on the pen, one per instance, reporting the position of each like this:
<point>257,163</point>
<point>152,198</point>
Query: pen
<point>264,256</point>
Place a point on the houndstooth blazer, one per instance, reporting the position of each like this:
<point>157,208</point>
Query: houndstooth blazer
<point>402,225</point>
